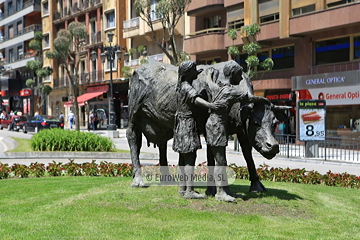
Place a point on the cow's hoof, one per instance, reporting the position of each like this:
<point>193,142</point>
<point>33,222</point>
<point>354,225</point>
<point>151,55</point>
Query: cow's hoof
<point>181,193</point>
<point>210,191</point>
<point>194,195</point>
<point>224,197</point>
<point>257,186</point>
<point>137,182</point>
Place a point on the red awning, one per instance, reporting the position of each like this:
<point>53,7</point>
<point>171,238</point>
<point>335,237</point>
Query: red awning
<point>83,98</point>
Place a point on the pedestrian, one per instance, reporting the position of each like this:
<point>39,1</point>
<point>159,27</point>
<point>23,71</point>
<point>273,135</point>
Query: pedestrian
<point>11,113</point>
<point>91,121</point>
<point>62,117</point>
<point>96,121</point>
<point>71,118</point>
<point>186,137</point>
<point>3,115</point>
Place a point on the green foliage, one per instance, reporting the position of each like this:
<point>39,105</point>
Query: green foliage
<point>20,170</point>
<point>267,64</point>
<point>44,72</point>
<point>232,33</point>
<point>90,169</point>
<point>126,70</point>
<point>77,30</point>
<point>107,169</point>
<point>251,48</point>
<point>4,170</point>
<point>65,140</point>
<point>35,45</point>
<point>33,65</point>
<point>233,51</point>
<point>30,83</point>
<point>37,169</point>
<point>141,49</point>
<point>45,89</point>
<point>250,30</point>
<point>38,36</point>
<point>182,56</point>
<point>72,168</point>
<point>143,61</point>
<point>55,169</point>
<point>132,51</point>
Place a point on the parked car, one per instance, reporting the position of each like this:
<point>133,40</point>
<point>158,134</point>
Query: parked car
<point>39,122</point>
<point>13,123</point>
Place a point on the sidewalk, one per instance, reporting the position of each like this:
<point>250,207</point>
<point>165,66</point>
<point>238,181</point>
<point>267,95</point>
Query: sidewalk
<point>149,155</point>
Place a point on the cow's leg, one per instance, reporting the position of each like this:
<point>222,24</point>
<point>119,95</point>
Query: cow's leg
<point>164,168</point>
<point>134,139</point>
<point>256,185</point>
<point>211,189</point>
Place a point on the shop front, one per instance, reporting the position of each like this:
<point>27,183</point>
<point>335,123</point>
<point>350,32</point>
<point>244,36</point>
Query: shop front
<point>341,91</point>
<point>25,95</point>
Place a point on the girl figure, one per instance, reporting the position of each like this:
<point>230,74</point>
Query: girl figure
<point>186,138</point>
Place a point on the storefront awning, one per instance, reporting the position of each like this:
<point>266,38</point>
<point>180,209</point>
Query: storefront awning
<point>83,98</point>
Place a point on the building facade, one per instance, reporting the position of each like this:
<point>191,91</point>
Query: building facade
<point>100,18</point>
<point>19,20</point>
<point>307,40</point>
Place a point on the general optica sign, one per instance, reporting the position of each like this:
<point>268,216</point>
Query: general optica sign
<point>337,96</point>
<point>311,119</point>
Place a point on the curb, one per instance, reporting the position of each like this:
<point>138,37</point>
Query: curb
<point>8,143</point>
<point>71,155</point>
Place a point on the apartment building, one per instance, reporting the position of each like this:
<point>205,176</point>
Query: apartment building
<point>19,20</point>
<point>100,18</point>
<point>138,34</point>
<point>315,46</point>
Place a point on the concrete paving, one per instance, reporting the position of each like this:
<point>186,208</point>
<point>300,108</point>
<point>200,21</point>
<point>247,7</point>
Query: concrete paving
<point>150,156</point>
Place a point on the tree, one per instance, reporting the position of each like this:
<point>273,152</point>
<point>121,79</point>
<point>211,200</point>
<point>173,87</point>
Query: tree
<point>40,72</point>
<point>67,47</point>
<point>169,12</point>
<point>249,34</point>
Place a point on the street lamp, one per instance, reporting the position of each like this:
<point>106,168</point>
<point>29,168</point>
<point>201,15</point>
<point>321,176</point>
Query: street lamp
<point>109,52</point>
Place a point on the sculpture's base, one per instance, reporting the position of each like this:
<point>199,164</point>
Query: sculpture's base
<point>112,133</point>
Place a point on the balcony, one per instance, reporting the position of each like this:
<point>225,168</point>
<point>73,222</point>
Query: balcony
<point>205,5</point>
<point>26,34</point>
<point>21,61</point>
<point>86,78</point>
<point>338,17</point>
<point>210,39</point>
<point>93,38</point>
<point>132,63</point>
<point>76,9</point>
<point>132,23</point>
<point>27,7</point>
<point>156,57</point>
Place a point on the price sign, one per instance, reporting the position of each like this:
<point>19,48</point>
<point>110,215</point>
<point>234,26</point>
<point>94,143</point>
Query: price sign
<point>311,120</point>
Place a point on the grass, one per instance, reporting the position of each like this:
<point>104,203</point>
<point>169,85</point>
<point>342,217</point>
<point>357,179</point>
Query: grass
<point>107,208</point>
<point>24,146</point>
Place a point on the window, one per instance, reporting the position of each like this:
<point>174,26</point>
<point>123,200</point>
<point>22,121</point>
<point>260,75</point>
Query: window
<point>110,19</point>
<point>19,27</point>
<point>303,10</point>
<point>332,51</point>
<point>11,55</point>
<point>153,9</point>
<point>209,61</point>
<point>269,18</point>
<point>20,52</point>
<point>19,5</point>
<point>268,10</point>
<point>10,8</point>
<point>236,24</point>
<point>357,47</point>
<point>11,31</point>
<point>337,3</point>
<point>46,43</point>
<point>45,8</point>
<point>212,22</point>
<point>283,58</point>
<point>240,59</point>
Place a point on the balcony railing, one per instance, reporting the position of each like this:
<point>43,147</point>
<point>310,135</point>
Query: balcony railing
<point>19,8</point>
<point>93,38</point>
<point>207,31</point>
<point>31,28</point>
<point>75,8</point>
<point>156,57</point>
<point>134,22</point>
<point>86,78</point>
<point>133,63</point>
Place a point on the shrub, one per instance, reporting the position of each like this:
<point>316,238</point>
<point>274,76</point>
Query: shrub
<point>55,169</point>
<point>4,170</point>
<point>37,169</point>
<point>65,140</point>
<point>20,170</point>
<point>72,168</point>
<point>90,169</point>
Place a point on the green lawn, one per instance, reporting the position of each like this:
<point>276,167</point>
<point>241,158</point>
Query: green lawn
<point>107,208</point>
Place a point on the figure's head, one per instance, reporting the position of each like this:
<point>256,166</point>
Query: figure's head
<point>233,71</point>
<point>187,71</point>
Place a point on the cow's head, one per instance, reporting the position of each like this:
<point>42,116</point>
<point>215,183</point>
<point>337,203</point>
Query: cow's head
<point>262,119</point>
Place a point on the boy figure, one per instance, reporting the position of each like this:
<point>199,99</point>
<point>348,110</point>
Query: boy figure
<point>216,124</point>
<point>186,137</point>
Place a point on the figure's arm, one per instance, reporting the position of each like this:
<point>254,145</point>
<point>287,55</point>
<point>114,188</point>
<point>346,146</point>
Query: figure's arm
<point>205,104</point>
<point>258,99</point>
